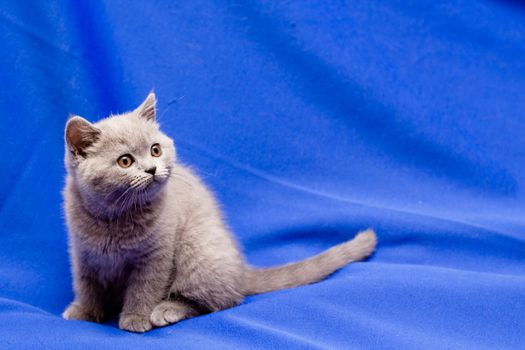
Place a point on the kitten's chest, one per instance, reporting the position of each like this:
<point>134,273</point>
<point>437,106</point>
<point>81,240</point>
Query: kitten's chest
<point>109,268</point>
<point>112,249</point>
<point>117,239</point>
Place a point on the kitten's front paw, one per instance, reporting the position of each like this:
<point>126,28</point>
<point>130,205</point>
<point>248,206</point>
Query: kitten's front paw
<point>134,323</point>
<point>77,312</point>
<point>166,313</point>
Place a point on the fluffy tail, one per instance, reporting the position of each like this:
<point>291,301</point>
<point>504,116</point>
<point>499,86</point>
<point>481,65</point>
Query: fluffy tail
<point>310,270</point>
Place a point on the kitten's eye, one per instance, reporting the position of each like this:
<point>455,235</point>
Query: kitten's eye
<point>125,161</point>
<point>156,150</point>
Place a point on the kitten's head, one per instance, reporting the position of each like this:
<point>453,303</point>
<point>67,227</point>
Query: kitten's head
<point>122,161</point>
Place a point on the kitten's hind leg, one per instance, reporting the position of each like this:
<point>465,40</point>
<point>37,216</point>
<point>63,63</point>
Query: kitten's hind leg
<point>172,311</point>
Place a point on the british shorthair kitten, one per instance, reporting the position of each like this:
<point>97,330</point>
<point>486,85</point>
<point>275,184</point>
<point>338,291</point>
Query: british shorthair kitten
<point>147,239</point>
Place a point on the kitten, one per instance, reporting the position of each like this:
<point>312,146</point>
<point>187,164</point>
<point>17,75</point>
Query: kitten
<point>146,236</point>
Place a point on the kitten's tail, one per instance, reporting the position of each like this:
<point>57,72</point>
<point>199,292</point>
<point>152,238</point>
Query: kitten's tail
<point>313,269</point>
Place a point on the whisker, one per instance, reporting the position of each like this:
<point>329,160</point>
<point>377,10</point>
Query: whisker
<point>137,180</point>
<point>122,195</point>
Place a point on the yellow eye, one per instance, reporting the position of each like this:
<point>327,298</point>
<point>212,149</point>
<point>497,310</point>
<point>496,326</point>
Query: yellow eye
<point>125,161</point>
<point>156,151</point>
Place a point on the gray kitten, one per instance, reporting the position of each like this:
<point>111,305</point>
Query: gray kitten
<point>147,238</point>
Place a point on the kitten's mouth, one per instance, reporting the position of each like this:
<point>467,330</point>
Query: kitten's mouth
<point>148,185</point>
<point>145,183</point>
<point>153,181</point>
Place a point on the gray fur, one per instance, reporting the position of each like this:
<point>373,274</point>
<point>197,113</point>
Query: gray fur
<point>155,248</point>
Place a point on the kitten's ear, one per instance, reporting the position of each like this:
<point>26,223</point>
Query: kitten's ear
<point>80,134</point>
<point>148,109</point>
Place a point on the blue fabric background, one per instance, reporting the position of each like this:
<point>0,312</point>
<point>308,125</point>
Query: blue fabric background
<point>310,120</point>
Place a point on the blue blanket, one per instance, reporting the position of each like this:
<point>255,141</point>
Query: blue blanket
<point>310,120</point>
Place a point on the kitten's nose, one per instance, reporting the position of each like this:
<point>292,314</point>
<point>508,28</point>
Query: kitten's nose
<point>151,170</point>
